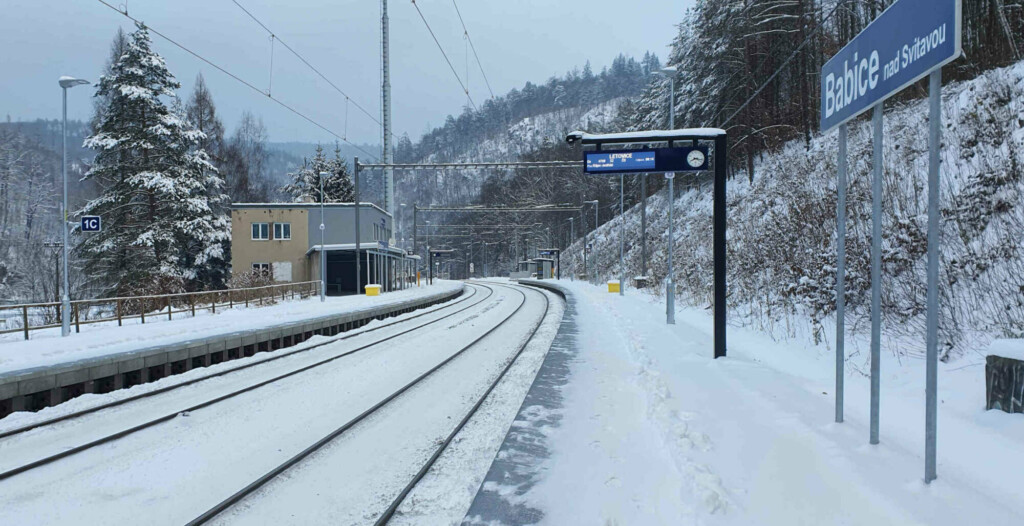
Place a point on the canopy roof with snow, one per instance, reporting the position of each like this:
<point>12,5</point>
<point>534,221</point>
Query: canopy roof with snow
<point>585,138</point>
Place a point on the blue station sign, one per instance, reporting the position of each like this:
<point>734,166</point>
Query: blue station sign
<point>904,44</point>
<point>92,224</point>
<point>688,159</point>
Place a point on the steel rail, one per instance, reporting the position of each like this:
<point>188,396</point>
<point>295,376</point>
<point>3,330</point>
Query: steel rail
<point>286,465</point>
<point>390,511</point>
<point>150,423</point>
<point>333,339</point>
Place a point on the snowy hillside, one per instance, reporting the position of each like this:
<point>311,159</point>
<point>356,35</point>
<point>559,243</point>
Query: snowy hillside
<point>782,228</point>
<point>522,138</point>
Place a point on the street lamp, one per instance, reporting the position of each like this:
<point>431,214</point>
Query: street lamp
<point>670,289</point>
<point>323,248</point>
<point>65,311</point>
<point>585,247</point>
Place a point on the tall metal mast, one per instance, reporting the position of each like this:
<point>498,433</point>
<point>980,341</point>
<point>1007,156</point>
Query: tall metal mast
<point>389,174</point>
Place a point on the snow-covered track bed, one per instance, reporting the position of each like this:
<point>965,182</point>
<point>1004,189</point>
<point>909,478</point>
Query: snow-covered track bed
<point>408,437</point>
<point>50,439</point>
<point>196,457</point>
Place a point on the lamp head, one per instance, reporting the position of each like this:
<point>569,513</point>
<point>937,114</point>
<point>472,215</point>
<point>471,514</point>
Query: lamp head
<point>70,82</point>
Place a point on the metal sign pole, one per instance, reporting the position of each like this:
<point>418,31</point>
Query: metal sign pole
<point>841,272</point>
<point>720,224</point>
<point>931,414</point>
<point>643,224</point>
<point>876,270</point>
<point>670,288</point>
<point>622,234</point>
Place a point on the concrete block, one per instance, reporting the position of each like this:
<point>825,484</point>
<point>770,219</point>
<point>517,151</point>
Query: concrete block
<point>155,360</point>
<point>126,366</point>
<point>179,354</point>
<point>37,384</point>
<point>73,377</point>
<point>103,371</point>
<point>8,390</point>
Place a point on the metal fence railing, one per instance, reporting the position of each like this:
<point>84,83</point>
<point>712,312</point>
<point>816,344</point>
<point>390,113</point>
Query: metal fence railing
<point>36,316</point>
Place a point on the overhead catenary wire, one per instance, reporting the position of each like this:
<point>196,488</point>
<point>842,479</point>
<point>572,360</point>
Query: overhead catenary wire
<point>446,59</point>
<point>237,78</point>
<point>307,63</point>
<point>473,48</point>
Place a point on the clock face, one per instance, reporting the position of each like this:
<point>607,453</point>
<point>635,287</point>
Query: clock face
<point>695,159</point>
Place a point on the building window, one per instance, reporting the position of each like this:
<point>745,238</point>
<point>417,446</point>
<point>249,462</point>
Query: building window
<point>261,269</point>
<point>260,231</point>
<point>282,231</point>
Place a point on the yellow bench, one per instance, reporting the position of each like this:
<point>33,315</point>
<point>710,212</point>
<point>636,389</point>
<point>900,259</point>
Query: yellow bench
<point>373,290</point>
<point>613,286</point>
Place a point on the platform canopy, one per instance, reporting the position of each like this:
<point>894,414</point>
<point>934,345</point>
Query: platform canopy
<point>649,136</point>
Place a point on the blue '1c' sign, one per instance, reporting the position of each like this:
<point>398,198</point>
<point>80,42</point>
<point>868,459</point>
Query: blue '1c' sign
<point>905,43</point>
<point>91,224</point>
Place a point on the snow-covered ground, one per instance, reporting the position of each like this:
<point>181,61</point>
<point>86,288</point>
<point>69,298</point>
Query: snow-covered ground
<point>47,348</point>
<point>654,431</point>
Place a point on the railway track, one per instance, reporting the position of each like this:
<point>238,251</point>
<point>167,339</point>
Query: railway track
<point>283,353</point>
<point>388,513</point>
<point>72,450</point>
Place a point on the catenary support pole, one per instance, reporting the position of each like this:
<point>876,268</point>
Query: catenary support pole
<point>670,287</point>
<point>359,276</point>
<point>323,247</point>
<point>876,270</point>
<point>841,272</point>
<point>931,414</point>
<point>622,234</point>
<point>385,102</point>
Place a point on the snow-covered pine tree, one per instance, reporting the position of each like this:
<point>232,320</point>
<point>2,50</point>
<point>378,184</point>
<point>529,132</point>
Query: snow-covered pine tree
<point>156,186</point>
<point>306,181</point>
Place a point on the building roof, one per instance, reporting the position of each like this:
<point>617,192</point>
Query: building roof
<point>363,245</point>
<point>306,206</point>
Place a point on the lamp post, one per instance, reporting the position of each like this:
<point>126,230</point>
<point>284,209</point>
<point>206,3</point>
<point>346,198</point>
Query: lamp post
<point>585,247</point>
<point>670,289</point>
<point>323,247</point>
<point>65,311</point>
<point>572,238</point>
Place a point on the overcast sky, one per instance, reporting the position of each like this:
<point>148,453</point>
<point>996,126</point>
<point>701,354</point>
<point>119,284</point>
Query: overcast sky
<point>517,40</point>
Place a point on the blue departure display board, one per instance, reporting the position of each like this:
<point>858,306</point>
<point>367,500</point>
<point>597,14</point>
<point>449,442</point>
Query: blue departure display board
<point>615,162</point>
<point>678,159</point>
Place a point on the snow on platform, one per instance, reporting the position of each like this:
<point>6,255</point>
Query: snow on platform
<point>649,429</point>
<point>47,348</point>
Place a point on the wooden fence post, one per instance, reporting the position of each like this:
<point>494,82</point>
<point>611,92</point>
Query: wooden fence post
<point>78,324</point>
<point>118,312</point>
<point>168,302</point>
<point>213,305</point>
<point>24,319</point>
<point>192,304</point>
